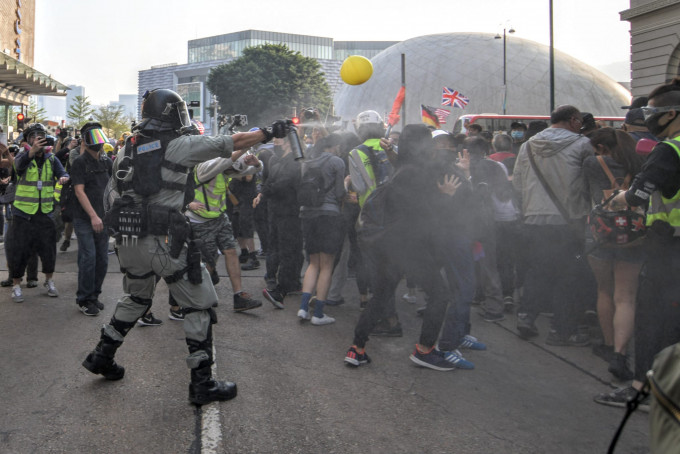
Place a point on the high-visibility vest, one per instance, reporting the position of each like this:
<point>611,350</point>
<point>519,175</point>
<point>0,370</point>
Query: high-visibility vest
<point>28,197</point>
<point>366,161</point>
<point>663,209</point>
<point>213,195</point>
<point>57,192</point>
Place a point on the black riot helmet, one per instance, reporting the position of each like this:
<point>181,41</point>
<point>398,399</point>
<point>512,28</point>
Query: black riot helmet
<point>164,110</point>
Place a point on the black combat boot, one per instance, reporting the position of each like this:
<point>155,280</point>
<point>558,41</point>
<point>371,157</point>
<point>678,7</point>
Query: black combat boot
<point>203,389</point>
<point>100,360</point>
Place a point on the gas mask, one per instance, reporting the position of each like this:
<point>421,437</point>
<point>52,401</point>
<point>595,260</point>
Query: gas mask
<point>653,115</point>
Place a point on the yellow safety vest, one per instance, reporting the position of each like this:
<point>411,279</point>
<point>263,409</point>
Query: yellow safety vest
<point>663,209</point>
<point>366,161</point>
<point>28,197</point>
<point>213,195</point>
<point>57,192</point>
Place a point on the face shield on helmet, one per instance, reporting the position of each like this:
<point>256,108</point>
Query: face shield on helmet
<point>178,111</point>
<point>93,136</point>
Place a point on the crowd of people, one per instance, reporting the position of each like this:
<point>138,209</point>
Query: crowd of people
<point>497,219</point>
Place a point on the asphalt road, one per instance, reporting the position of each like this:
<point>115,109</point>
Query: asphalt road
<point>295,393</point>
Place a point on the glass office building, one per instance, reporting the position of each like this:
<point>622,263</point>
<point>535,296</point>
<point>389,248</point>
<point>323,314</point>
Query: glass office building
<point>231,45</point>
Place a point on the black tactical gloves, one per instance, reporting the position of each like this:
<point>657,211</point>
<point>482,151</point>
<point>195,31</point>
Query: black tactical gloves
<point>278,129</point>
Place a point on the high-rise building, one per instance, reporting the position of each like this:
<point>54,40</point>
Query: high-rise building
<point>206,53</point>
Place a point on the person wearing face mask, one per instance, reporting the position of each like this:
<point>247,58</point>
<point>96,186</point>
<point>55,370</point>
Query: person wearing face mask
<point>518,132</point>
<point>280,180</point>
<point>657,315</point>
<point>90,173</point>
<point>33,228</point>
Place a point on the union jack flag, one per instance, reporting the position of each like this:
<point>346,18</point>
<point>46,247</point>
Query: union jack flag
<point>442,114</point>
<point>454,98</point>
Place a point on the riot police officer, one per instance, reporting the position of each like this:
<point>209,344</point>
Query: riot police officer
<point>149,177</point>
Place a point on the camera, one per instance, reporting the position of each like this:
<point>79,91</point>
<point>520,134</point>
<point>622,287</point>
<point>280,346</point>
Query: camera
<point>64,132</point>
<point>49,141</point>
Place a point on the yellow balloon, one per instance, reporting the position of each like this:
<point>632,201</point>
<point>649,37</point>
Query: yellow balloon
<point>356,70</point>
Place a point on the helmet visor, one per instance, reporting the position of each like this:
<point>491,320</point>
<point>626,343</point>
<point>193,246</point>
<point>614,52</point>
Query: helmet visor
<point>180,108</point>
<point>95,136</point>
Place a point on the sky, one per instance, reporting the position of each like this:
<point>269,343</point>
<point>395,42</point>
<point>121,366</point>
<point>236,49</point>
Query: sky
<point>102,44</point>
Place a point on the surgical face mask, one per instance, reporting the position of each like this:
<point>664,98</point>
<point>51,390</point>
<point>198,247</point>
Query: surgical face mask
<point>652,123</point>
<point>517,135</point>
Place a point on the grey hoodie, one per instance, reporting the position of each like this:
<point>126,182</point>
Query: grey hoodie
<point>559,154</point>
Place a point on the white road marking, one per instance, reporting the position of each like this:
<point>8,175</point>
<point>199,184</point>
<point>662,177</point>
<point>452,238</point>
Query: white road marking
<point>211,427</point>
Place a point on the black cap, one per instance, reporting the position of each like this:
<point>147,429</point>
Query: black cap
<point>638,102</point>
<point>635,117</point>
<point>517,125</point>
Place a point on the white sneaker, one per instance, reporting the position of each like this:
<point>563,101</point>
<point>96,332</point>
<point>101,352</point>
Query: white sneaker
<point>51,289</point>
<point>303,314</point>
<point>325,320</point>
<point>410,298</point>
<point>17,296</point>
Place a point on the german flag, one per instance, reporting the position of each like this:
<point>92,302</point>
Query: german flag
<point>429,117</point>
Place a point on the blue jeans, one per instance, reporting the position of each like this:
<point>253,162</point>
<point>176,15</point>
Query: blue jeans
<point>459,267</point>
<point>93,260</point>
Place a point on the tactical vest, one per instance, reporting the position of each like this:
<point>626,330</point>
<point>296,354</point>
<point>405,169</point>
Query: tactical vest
<point>213,195</point>
<point>146,155</point>
<point>35,188</point>
<point>663,209</point>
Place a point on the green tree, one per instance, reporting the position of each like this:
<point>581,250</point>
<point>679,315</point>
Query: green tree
<point>268,82</point>
<point>80,111</point>
<point>37,115</point>
<point>112,120</point>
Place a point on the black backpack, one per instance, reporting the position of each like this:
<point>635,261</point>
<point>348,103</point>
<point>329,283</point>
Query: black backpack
<point>312,190</point>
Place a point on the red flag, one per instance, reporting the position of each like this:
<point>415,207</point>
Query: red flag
<point>393,118</point>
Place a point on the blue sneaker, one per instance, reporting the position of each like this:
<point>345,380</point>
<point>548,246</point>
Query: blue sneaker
<point>456,358</point>
<point>433,360</point>
<point>472,343</point>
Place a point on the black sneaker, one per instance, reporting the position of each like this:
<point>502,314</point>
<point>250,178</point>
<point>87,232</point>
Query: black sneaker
<point>6,283</point>
<point>618,367</point>
<point>356,359</point>
<point>99,304</point>
<point>243,257</point>
<point>491,317</point>
<point>176,314</point>
<point>435,360</point>
<point>31,283</point>
<point>65,245</point>
<point>275,297</point>
<point>575,340</point>
<point>149,320</point>
<point>89,308</point>
<point>339,302</point>
<point>384,329</point>
<point>244,302</point>
<point>620,398</point>
<point>526,326</point>
<point>606,352</point>
<point>214,277</point>
<point>252,263</point>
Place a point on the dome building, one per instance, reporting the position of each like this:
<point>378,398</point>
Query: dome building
<point>472,63</point>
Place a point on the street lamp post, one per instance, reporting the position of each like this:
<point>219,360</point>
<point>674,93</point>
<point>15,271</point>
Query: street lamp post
<point>505,85</point>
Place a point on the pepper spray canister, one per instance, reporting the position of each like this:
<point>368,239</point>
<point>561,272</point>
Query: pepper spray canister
<point>294,141</point>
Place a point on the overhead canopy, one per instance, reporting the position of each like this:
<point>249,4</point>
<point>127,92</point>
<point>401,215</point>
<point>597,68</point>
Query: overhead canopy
<point>19,81</point>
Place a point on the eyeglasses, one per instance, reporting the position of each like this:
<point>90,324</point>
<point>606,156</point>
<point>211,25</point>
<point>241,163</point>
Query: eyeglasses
<point>649,111</point>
